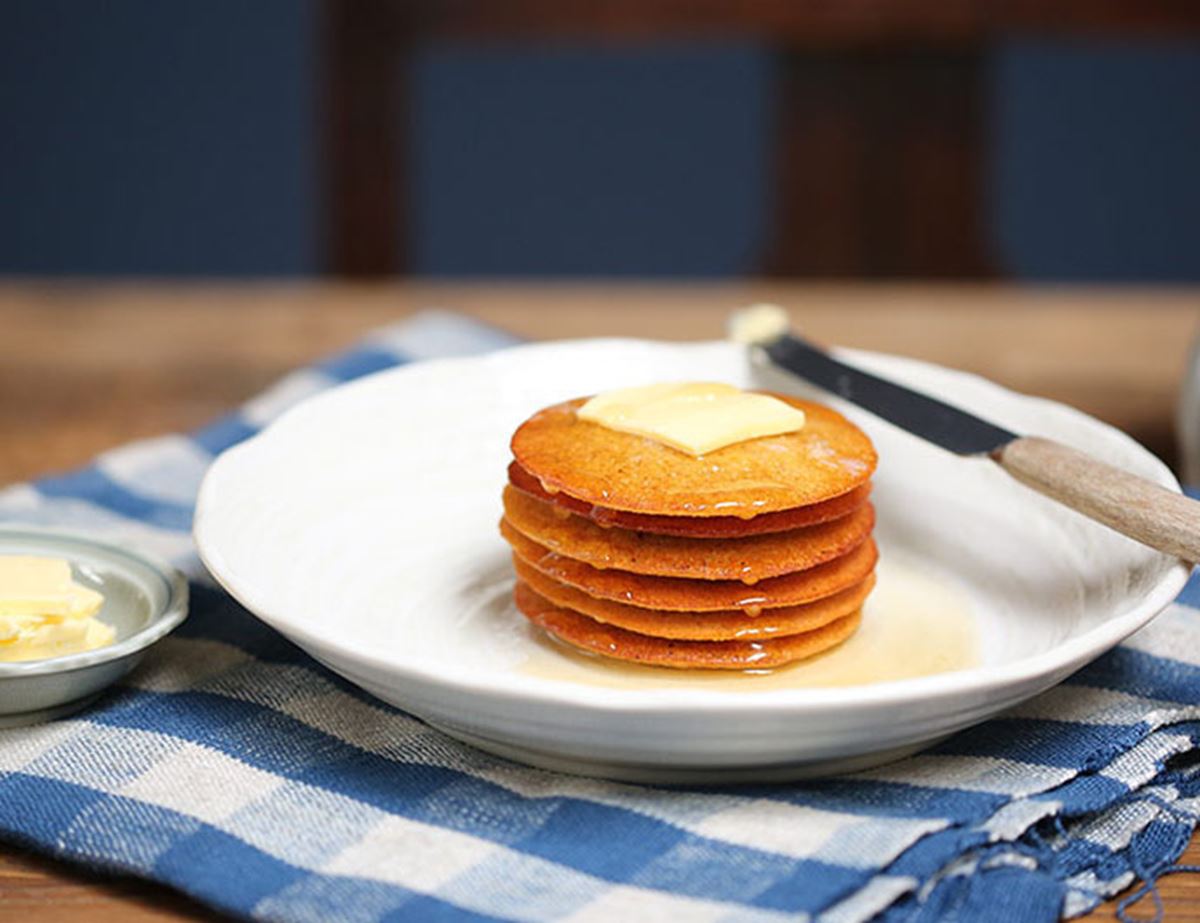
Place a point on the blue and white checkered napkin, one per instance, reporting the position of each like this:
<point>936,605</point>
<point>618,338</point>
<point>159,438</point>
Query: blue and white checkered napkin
<point>233,767</point>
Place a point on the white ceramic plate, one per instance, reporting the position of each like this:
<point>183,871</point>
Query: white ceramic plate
<point>362,525</point>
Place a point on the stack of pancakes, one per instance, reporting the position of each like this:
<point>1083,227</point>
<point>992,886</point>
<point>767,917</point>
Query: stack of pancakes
<point>752,556</point>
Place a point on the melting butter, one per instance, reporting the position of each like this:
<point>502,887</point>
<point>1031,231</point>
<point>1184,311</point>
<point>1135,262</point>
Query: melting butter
<point>915,623</point>
<point>693,417</point>
<point>44,612</point>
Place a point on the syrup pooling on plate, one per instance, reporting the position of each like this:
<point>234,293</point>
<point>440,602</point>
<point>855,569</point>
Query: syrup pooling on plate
<point>915,623</point>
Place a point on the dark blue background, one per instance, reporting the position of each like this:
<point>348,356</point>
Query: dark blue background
<point>149,137</point>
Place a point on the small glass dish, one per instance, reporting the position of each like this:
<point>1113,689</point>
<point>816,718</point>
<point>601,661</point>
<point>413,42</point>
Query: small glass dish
<point>144,599</point>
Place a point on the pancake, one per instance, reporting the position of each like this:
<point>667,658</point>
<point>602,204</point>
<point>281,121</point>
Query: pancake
<point>829,457</point>
<point>595,637</point>
<point>722,625</point>
<point>695,527</point>
<point>676,594</point>
<point>749,559</point>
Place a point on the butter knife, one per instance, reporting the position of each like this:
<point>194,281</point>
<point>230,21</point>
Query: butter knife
<point>1144,511</point>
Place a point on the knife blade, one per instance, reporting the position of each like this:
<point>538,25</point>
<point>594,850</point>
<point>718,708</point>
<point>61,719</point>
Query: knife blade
<point>951,428</point>
<point>1136,507</point>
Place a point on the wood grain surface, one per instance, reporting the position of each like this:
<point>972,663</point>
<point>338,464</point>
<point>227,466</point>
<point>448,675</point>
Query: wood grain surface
<point>84,367</point>
<point>1131,505</point>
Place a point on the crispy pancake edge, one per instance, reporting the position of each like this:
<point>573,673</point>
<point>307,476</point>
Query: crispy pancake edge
<point>684,595</point>
<point>722,625</point>
<point>589,635</point>
<point>749,559</point>
<point>712,527</point>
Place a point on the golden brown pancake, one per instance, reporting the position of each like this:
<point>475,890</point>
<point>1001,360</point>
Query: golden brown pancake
<point>749,559</point>
<point>678,594</point>
<point>590,635</point>
<point>695,527</point>
<point>829,457</point>
<point>723,625</point>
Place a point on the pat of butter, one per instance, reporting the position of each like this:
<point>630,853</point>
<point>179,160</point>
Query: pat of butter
<point>42,587</point>
<point>44,612</point>
<point>758,325</point>
<point>693,417</point>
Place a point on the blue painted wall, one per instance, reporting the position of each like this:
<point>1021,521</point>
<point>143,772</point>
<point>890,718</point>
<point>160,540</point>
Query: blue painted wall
<point>147,137</point>
<point>636,162</point>
<point>1096,163</point>
<point>143,137</point>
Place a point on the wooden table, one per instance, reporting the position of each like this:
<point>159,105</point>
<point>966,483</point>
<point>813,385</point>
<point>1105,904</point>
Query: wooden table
<point>84,367</point>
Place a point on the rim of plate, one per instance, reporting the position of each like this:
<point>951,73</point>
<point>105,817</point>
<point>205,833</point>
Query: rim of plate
<point>1068,654</point>
<point>162,620</point>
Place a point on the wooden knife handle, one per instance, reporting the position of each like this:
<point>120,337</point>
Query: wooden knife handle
<point>1143,510</point>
